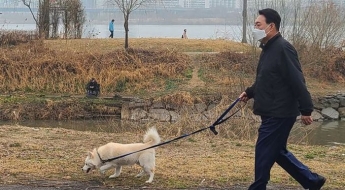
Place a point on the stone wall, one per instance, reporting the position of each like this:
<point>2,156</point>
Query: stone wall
<point>147,109</point>
<point>330,107</point>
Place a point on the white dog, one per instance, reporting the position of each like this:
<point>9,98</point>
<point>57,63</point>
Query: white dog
<point>146,158</point>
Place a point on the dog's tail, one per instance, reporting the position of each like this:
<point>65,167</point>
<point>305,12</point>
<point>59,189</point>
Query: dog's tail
<point>152,136</point>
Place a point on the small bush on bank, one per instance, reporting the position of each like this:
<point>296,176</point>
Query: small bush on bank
<point>8,38</point>
<point>323,64</point>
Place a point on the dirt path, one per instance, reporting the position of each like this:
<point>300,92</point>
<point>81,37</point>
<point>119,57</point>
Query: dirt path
<point>63,185</point>
<point>195,81</point>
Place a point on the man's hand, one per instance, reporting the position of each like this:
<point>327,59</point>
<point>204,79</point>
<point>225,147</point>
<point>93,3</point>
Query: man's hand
<point>306,120</point>
<point>243,97</point>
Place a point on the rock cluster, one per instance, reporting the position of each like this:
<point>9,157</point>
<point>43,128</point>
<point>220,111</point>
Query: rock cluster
<point>330,107</point>
<point>144,110</point>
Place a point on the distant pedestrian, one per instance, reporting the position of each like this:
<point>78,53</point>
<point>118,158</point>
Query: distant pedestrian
<point>111,28</point>
<point>184,35</point>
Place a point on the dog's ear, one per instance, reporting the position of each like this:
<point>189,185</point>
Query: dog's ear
<point>90,154</point>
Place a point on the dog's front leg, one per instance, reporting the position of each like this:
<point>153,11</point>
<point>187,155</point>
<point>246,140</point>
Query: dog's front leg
<point>105,167</point>
<point>117,172</point>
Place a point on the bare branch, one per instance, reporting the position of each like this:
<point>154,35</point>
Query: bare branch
<point>27,3</point>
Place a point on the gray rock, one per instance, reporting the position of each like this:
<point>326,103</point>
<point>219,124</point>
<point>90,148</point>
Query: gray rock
<point>341,112</point>
<point>334,103</point>
<point>316,115</point>
<point>172,107</point>
<point>174,116</point>
<point>330,113</point>
<point>159,114</point>
<point>138,114</point>
<point>125,111</point>
<point>200,107</point>
<point>342,101</point>
<point>211,106</point>
<point>186,110</point>
<point>318,106</point>
<point>158,104</point>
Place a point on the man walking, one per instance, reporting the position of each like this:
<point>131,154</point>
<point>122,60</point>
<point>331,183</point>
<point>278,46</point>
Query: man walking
<point>111,28</point>
<point>280,95</point>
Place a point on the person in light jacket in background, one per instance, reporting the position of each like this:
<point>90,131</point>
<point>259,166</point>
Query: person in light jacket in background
<point>111,28</point>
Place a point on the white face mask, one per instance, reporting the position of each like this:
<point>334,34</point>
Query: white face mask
<point>259,34</point>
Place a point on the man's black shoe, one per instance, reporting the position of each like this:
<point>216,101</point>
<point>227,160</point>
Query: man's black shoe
<point>319,183</point>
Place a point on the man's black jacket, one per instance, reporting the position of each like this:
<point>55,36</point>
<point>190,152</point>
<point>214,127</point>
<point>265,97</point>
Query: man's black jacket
<point>279,89</point>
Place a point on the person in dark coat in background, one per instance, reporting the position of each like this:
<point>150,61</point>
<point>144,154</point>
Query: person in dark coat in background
<point>92,88</point>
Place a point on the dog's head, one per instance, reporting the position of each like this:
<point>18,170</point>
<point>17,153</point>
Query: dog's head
<point>89,163</point>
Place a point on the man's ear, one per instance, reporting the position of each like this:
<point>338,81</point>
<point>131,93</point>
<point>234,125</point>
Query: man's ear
<point>273,26</point>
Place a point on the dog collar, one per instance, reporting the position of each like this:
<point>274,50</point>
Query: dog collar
<point>103,161</point>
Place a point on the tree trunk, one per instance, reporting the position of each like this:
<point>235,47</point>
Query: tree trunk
<point>43,20</point>
<point>126,30</point>
<point>244,26</point>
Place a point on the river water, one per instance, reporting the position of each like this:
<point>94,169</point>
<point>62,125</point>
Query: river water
<point>232,32</point>
<point>321,133</point>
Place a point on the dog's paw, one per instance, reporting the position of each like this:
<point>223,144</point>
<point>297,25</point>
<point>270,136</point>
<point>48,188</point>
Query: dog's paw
<point>102,172</point>
<point>140,174</point>
<point>148,181</point>
<point>113,176</point>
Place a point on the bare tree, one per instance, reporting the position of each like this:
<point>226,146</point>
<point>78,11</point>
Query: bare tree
<point>244,22</point>
<point>38,20</point>
<point>55,17</point>
<point>42,20</point>
<point>73,18</point>
<point>326,25</point>
<point>127,7</point>
<point>51,12</point>
<point>27,3</point>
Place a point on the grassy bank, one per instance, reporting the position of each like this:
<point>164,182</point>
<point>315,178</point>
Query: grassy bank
<point>151,68</point>
<point>204,160</point>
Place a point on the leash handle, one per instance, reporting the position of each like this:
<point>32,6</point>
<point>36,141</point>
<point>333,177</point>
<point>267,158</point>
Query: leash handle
<point>213,129</point>
<point>213,126</point>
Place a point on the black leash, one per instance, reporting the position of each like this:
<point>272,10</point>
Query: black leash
<point>212,128</point>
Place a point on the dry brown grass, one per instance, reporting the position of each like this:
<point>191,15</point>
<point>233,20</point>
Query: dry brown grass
<point>151,66</point>
<point>203,160</point>
<point>12,38</point>
<point>36,67</point>
<point>108,45</point>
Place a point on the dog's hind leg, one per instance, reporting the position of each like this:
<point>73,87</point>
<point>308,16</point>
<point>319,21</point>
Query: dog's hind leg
<point>151,172</point>
<point>147,162</point>
<point>142,172</point>
<point>117,172</point>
